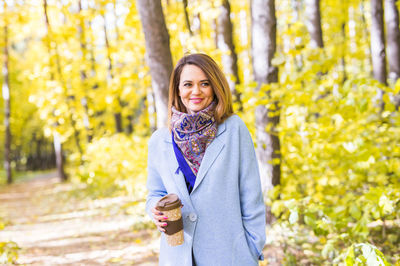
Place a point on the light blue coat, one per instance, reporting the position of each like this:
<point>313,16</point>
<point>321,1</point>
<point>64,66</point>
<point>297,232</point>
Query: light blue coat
<point>224,216</point>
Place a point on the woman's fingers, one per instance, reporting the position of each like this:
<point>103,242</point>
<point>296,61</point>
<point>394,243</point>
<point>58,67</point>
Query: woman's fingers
<point>159,219</point>
<point>161,225</point>
<point>157,215</point>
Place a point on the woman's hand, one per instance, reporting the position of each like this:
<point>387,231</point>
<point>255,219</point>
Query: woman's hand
<point>159,219</point>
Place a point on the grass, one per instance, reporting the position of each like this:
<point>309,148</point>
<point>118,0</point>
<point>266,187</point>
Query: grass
<point>21,176</point>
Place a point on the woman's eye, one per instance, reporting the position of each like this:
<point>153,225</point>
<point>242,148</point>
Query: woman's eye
<point>187,84</point>
<point>205,84</point>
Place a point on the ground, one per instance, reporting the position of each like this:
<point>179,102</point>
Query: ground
<point>53,226</point>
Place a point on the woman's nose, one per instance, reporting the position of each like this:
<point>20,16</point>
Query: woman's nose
<point>196,89</point>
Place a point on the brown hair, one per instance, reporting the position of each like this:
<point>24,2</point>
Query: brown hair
<point>218,82</point>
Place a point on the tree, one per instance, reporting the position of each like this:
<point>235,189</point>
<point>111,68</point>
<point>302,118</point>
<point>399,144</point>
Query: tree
<point>6,98</point>
<point>378,43</point>
<point>158,54</point>
<point>226,45</point>
<point>56,136</point>
<point>84,76</point>
<point>110,77</point>
<point>393,38</point>
<point>263,50</point>
<point>185,11</point>
<point>314,23</point>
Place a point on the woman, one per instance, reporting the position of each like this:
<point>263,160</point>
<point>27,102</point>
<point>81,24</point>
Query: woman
<point>207,158</point>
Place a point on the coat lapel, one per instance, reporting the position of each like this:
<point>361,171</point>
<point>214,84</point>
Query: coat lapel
<point>212,152</point>
<point>177,176</point>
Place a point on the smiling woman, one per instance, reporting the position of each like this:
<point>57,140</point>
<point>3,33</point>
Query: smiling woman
<point>207,159</point>
<point>202,69</point>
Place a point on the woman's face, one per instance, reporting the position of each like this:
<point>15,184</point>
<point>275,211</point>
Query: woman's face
<point>195,89</point>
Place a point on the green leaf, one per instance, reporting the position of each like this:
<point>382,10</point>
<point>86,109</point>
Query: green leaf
<point>386,205</point>
<point>355,211</point>
<point>309,219</point>
<point>350,258</point>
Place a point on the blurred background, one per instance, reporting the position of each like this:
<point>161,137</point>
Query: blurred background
<point>85,83</point>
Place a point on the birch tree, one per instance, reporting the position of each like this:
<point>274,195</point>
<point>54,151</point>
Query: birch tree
<point>6,98</point>
<point>56,136</point>
<point>185,11</point>
<point>378,43</point>
<point>263,50</point>
<point>158,54</point>
<point>313,14</point>
<point>110,77</point>
<point>393,39</point>
<point>226,45</point>
<point>84,76</point>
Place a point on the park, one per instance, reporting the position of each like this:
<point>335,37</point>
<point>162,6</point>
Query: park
<point>85,85</point>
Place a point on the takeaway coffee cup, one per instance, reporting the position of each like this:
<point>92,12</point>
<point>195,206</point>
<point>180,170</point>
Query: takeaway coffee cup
<point>170,206</point>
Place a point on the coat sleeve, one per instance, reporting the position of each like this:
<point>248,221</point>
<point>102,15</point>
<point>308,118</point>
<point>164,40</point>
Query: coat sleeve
<point>251,198</point>
<point>155,185</point>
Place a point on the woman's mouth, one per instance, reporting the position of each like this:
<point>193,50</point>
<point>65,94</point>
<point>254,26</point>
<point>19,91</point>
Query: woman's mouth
<point>196,100</point>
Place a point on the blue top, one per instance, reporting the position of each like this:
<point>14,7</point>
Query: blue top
<point>190,177</point>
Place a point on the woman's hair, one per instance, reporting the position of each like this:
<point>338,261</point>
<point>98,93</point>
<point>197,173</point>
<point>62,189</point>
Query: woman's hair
<point>218,83</point>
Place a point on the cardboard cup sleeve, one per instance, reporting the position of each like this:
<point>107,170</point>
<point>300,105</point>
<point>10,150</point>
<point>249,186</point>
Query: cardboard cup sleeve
<point>170,206</point>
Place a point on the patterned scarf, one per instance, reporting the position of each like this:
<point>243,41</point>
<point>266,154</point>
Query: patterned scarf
<point>193,133</point>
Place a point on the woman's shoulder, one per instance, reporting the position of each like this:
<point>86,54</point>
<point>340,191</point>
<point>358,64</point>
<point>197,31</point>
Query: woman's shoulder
<point>235,121</point>
<point>159,135</point>
<point>236,126</point>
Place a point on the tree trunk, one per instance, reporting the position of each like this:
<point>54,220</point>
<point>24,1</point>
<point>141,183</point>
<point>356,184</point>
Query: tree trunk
<point>393,38</point>
<point>314,23</point>
<point>84,101</point>
<point>378,43</point>
<point>296,6</point>
<point>96,126</point>
<point>214,32</point>
<point>158,54</point>
<point>92,57</point>
<point>129,126</point>
<point>227,47</point>
<point>110,76</point>
<point>263,50</point>
<point>56,138</point>
<point>151,109</point>
<point>38,155</point>
<point>185,11</point>
<point>59,156</point>
<point>343,59</point>
<point>197,24</point>
<point>68,96</point>
<point>366,35</point>
<point>6,98</point>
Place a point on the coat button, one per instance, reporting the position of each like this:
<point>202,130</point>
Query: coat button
<point>192,217</point>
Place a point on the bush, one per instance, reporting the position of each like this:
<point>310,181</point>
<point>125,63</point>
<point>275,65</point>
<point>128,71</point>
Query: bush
<point>365,254</point>
<point>115,164</point>
<point>340,182</point>
<point>8,250</point>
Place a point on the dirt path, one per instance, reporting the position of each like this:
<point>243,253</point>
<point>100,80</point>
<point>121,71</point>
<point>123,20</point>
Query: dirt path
<point>52,227</point>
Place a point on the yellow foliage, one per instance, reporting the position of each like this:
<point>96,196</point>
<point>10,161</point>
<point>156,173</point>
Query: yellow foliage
<point>116,161</point>
<point>340,159</point>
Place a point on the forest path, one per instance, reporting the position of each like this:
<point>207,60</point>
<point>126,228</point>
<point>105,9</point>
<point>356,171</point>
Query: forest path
<point>54,228</point>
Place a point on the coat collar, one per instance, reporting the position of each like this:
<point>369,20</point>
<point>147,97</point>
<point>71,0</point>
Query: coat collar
<point>212,152</point>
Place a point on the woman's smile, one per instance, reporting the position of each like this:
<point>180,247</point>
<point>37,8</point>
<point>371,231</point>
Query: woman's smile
<point>196,100</point>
